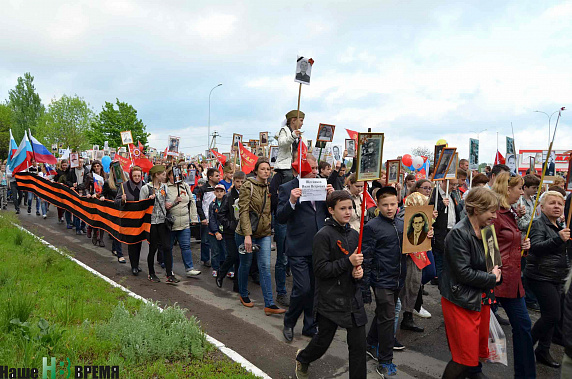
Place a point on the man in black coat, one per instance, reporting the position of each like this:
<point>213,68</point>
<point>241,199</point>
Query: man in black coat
<point>303,220</point>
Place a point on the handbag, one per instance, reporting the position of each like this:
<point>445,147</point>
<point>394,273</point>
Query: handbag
<point>169,219</point>
<point>255,217</point>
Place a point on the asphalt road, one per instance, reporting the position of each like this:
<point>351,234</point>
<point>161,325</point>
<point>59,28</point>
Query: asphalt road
<point>249,331</point>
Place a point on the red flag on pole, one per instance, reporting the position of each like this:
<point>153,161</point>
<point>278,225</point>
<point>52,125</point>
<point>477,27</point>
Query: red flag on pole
<point>499,159</point>
<point>139,159</point>
<point>221,158</point>
<point>247,159</point>
<point>302,160</point>
<point>125,163</point>
<point>369,201</point>
<point>353,134</point>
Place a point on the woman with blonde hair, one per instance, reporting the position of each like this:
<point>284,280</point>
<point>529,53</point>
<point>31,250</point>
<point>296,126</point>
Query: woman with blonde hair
<point>511,292</point>
<point>467,286</point>
<point>546,268</point>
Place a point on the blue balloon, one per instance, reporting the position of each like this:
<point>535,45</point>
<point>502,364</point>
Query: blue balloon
<point>105,161</point>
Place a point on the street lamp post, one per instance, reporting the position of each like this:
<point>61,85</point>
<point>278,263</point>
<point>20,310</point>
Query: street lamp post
<point>209,132</point>
<point>478,133</point>
<point>549,118</point>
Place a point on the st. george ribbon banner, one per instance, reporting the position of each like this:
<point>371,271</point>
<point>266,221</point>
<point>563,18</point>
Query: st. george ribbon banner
<point>128,223</point>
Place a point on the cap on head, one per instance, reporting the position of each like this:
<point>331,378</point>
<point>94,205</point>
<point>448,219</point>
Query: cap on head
<point>294,114</point>
<point>157,169</point>
<point>220,187</point>
<point>389,190</point>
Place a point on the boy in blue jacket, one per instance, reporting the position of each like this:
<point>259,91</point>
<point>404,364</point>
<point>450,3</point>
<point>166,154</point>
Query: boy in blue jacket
<point>384,270</point>
<point>215,230</point>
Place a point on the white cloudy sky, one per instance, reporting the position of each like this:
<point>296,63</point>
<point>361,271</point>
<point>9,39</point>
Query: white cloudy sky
<point>415,71</point>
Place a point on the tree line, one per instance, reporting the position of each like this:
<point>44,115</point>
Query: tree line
<point>69,121</point>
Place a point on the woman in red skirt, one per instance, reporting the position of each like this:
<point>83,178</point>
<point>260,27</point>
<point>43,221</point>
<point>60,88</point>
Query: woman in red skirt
<point>467,286</point>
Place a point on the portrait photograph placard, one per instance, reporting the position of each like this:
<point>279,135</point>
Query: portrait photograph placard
<point>369,156</point>
<point>303,70</point>
<point>321,144</point>
<point>117,170</point>
<point>337,152</point>
<point>263,138</point>
<point>473,154</point>
<point>325,133</point>
<point>236,138</point>
<point>273,155</point>
<point>532,163</point>
<point>351,147</point>
<point>173,145</point>
<point>417,222</point>
<point>126,137</point>
<point>253,143</point>
<point>452,171</point>
<point>445,159</point>
<point>392,171</point>
<point>310,147</point>
<point>437,154</point>
<point>74,160</point>
<point>492,251</point>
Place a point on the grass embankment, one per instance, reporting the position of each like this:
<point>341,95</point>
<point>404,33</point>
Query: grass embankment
<point>51,307</point>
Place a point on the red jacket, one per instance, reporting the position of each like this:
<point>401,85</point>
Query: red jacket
<point>509,239</point>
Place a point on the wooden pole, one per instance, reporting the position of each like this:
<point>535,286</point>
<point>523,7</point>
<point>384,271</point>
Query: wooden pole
<point>541,182</point>
<point>320,155</point>
<point>447,195</point>
<point>362,216</point>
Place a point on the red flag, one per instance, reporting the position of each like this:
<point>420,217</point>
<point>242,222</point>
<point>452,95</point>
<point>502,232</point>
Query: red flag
<point>141,147</point>
<point>302,159</point>
<point>220,169</point>
<point>369,201</point>
<point>499,159</point>
<point>125,163</point>
<point>221,158</point>
<point>353,134</point>
<point>247,159</point>
<point>139,159</point>
<point>165,153</point>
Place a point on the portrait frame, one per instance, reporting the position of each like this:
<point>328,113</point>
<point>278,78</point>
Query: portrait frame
<point>303,70</point>
<point>118,170</point>
<point>532,163</point>
<point>273,155</point>
<point>326,131</point>
<point>437,153</point>
<point>320,144</point>
<point>351,147</point>
<point>442,168</point>
<point>173,145</point>
<point>453,167</point>
<point>569,175</point>
<point>310,147</point>
<point>369,156</point>
<point>235,139</point>
<point>74,160</point>
<point>126,137</point>
<point>473,154</point>
<point>98,154</point>
<point>494,259</point>
<point>263,138</point>
<point>423,242</point>
<point>392,165</point>
<point>253,143</point>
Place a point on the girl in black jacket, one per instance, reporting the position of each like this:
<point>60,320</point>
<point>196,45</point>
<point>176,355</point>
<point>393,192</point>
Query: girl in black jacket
<point>337,268</point>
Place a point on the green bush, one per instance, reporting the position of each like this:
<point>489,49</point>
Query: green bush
<point>17,305</point>
<point>150,334</point>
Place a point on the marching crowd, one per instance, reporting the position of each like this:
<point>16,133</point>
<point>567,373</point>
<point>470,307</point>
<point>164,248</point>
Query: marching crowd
<point>316,242</point>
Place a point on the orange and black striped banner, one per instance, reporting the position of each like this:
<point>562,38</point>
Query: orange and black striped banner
<point>129,223</point>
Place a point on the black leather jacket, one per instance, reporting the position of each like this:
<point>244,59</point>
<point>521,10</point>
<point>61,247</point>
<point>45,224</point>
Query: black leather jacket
<point>547,259</point>
<point>465,276</point>
<point>567,323</point>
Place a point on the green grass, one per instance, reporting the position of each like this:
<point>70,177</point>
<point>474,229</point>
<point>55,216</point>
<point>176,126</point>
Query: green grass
<point>51,307</point>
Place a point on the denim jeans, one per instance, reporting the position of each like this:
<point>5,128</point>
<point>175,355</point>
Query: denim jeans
<point>78,223</point>
<point>517,313</point>
<point>68,217</point>
<point>397,311</point>
<point>44,205</point>
<point>184,238</point>
<point>31,196</point>
<point>115,246</point>
<point>281,259</point>
<point>218,252</point>
<point>17,195</point>
<point>438,255</point>
<point>205,247</point>
<point>263,267</point>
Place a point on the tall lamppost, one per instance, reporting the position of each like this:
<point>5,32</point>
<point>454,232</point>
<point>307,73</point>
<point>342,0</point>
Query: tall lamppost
<point>478,133</point>
<point>209,132</point>
<point>549,118</point>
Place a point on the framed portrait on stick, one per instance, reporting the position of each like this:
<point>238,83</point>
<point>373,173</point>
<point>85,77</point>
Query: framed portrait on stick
<point>273,155</point>
<point>369,156</point>
<point>392,171</point>
<point>417,222</point>
<point>351,147</point>
<point>303,70</point>
<point>452,171</point>
<point>325,133</point>
<point>310,147</point>
<point>126,137</point>
<point>236,138</point>
<point>492,251</point>
<point>438,149</point>
<point>263,138</point>
<point>445,159</point>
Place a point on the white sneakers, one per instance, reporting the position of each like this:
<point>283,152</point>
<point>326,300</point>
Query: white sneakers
<point>423,313</point>
<point>193,272</point>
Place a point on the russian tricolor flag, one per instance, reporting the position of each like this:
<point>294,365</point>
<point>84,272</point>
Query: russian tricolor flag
<point>22,158</point>
<point>50,170</point>
<point>12,149</point>
<point>41,154</point>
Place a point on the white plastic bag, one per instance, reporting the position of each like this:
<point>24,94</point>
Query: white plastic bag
<point>497,342</point>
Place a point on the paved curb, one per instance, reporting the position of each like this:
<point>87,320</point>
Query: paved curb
<point>219,345</point>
